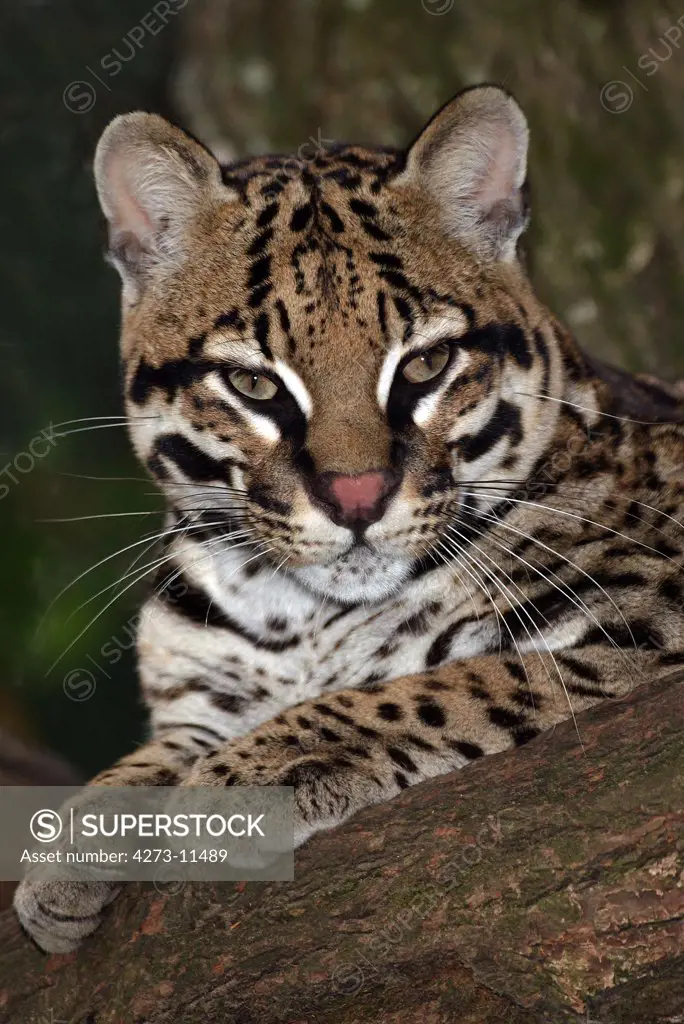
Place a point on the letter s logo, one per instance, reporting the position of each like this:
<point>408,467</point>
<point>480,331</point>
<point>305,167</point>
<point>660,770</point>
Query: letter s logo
<point>46,825</point>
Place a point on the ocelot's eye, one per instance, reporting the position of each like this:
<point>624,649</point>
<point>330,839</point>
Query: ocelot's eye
<point>253,385</point>
<point>427,365</point>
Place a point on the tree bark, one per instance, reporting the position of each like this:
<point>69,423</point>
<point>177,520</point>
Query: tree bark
<point>542,884</point>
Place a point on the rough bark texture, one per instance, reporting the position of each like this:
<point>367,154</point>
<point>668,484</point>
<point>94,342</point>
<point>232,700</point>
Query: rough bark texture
<point>543,884</point>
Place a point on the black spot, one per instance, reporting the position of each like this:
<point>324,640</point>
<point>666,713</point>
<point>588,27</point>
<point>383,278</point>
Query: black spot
<point>301,217</point>
<point>431,714</point>
<point>469,750</point>
<point>390,712</point>
<point>441,647</point>
<point>373,683</point>
<point>267,215</point>
<point>219,769</point>
<point>363,209</point>
<point>329,735</point>
<point>323,709</point>
<point>228,702</point>
<point>260,242</point>
<point>505,719</point>
<point>525,698</point>
<point>516,670</point>
<point>524,734</point>
<point>336,222</point>
<point>580,668</point>
<point>479,692</point>
<point>416,741</point>
<point>283,315</point>
<point>402,759</point>
<point>260,271</point>
<point>401,780</point>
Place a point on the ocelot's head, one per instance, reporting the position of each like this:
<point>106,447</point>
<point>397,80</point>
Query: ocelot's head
<point>332,351</point>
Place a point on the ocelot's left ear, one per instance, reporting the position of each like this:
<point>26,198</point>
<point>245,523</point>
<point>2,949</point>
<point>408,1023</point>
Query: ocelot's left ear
<point>472,158</point>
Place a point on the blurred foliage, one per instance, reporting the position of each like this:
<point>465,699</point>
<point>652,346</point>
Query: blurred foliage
<point>606,245</point>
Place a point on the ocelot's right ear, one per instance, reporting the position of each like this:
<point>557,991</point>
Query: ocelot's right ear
<point>153,182</point>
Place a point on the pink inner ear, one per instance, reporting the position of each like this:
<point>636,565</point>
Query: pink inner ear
<point>128,215</point>
<point>499,180</point>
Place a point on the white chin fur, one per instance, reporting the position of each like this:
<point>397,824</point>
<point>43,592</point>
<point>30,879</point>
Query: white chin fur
<point>361,575</point>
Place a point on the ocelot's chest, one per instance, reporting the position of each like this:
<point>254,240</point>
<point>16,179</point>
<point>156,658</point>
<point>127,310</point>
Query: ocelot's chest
<point>260,642</point>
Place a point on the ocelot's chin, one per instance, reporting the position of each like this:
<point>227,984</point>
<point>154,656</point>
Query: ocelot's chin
<point>360,575</point>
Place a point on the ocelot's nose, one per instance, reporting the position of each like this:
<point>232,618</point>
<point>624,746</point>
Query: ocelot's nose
<point>355,500</point>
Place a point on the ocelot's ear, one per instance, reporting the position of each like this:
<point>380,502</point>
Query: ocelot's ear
<point>152,180</point>
<point>472,158</point>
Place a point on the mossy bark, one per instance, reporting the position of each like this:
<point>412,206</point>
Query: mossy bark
<point>539,885</point>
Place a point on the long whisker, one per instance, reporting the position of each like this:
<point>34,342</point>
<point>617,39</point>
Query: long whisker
<point>568,561</point>
<point>582,519</point>
<point>535,626</point>
<point>503,590</point>
<point>57,432</point>
<point>94,419</point>
<point>153,564</point>
<point>167,532</point>
<point>598,412</point>
<point>452,555</point>
<point>139,576</point>
<point>92,622</point>
<point>567,590</point>
<point>627,499</point>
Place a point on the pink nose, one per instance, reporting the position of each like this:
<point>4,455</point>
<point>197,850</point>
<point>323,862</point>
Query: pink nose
<point>357,498</point>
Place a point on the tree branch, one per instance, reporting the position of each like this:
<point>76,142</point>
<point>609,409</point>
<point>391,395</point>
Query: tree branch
<point>542,884</point>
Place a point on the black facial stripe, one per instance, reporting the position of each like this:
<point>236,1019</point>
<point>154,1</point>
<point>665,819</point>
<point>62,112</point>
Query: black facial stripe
<point>261,495</point>
<point>499,340</point>
<point>382,312</point>
<point>194,604</point>
<point>169,377</point>
<point>190,460</point>
<point>262,329</point>
<point>505,422</point>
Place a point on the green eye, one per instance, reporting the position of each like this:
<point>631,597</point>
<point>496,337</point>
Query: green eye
<point>427,365</point>
<point>253,385</point>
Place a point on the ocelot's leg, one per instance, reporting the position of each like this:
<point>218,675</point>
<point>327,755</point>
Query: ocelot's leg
<point>354,748</point>
<point>58,915</point>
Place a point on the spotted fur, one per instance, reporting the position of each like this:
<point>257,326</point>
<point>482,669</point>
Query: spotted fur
<point>527,560</point>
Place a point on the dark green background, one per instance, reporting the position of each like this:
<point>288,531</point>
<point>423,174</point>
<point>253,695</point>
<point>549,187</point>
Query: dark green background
<point>607,243</point>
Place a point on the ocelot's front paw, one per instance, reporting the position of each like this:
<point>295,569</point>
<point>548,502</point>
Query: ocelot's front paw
<point>58,915</point>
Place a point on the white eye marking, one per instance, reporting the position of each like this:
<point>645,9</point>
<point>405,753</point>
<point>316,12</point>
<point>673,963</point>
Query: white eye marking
<point>263,426</point>
<point>425,408</point>
<point>387,374</point>
<point>295,385</point>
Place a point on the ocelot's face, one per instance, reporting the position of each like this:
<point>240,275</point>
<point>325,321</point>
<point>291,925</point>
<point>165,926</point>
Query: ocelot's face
<point>315,364</point>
